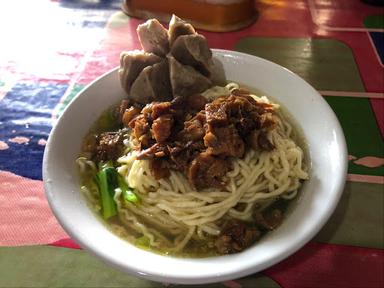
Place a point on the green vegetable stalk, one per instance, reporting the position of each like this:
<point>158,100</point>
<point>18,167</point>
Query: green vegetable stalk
<point>143,242</point>
<point>108,180</point>
<point>128,193</point>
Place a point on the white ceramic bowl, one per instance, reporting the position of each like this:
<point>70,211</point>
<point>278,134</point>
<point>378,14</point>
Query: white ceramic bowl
<point>320,194</point>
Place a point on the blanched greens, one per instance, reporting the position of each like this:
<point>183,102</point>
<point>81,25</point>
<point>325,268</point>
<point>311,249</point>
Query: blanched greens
<point>108,180</point>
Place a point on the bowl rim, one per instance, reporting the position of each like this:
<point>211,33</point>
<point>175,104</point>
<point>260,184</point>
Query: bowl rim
<point>210,277</point>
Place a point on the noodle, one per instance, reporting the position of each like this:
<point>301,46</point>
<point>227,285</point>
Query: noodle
<point>262,175</point>
<point>180,213</point>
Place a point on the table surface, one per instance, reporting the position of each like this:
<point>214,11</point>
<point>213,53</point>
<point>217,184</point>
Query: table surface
<point>51,49</point>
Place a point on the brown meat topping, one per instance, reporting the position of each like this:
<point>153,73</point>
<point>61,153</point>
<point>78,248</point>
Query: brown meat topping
<point>224,141</point>
<point>197,138</point>
<point>194,128</point>
<point>182,156</point>
<point>155,151</point>
<point>120,110</point>
<point>161,127</point>
<point>269,219</point>
<point>159,168</point>
<point>109,146</point>
<point>141,130</point>
<point>264,143</point>
<point>196,102</point>
<point>207,171</point>
<point>161,108</point>
<point>235,120</point>
<point>235,237</point>
<point>129,114</point>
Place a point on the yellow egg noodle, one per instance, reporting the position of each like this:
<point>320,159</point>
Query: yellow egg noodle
<point>180,213</point>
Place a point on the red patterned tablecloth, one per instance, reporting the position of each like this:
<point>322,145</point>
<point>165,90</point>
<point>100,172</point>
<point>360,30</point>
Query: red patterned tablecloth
<point>49,50</point>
